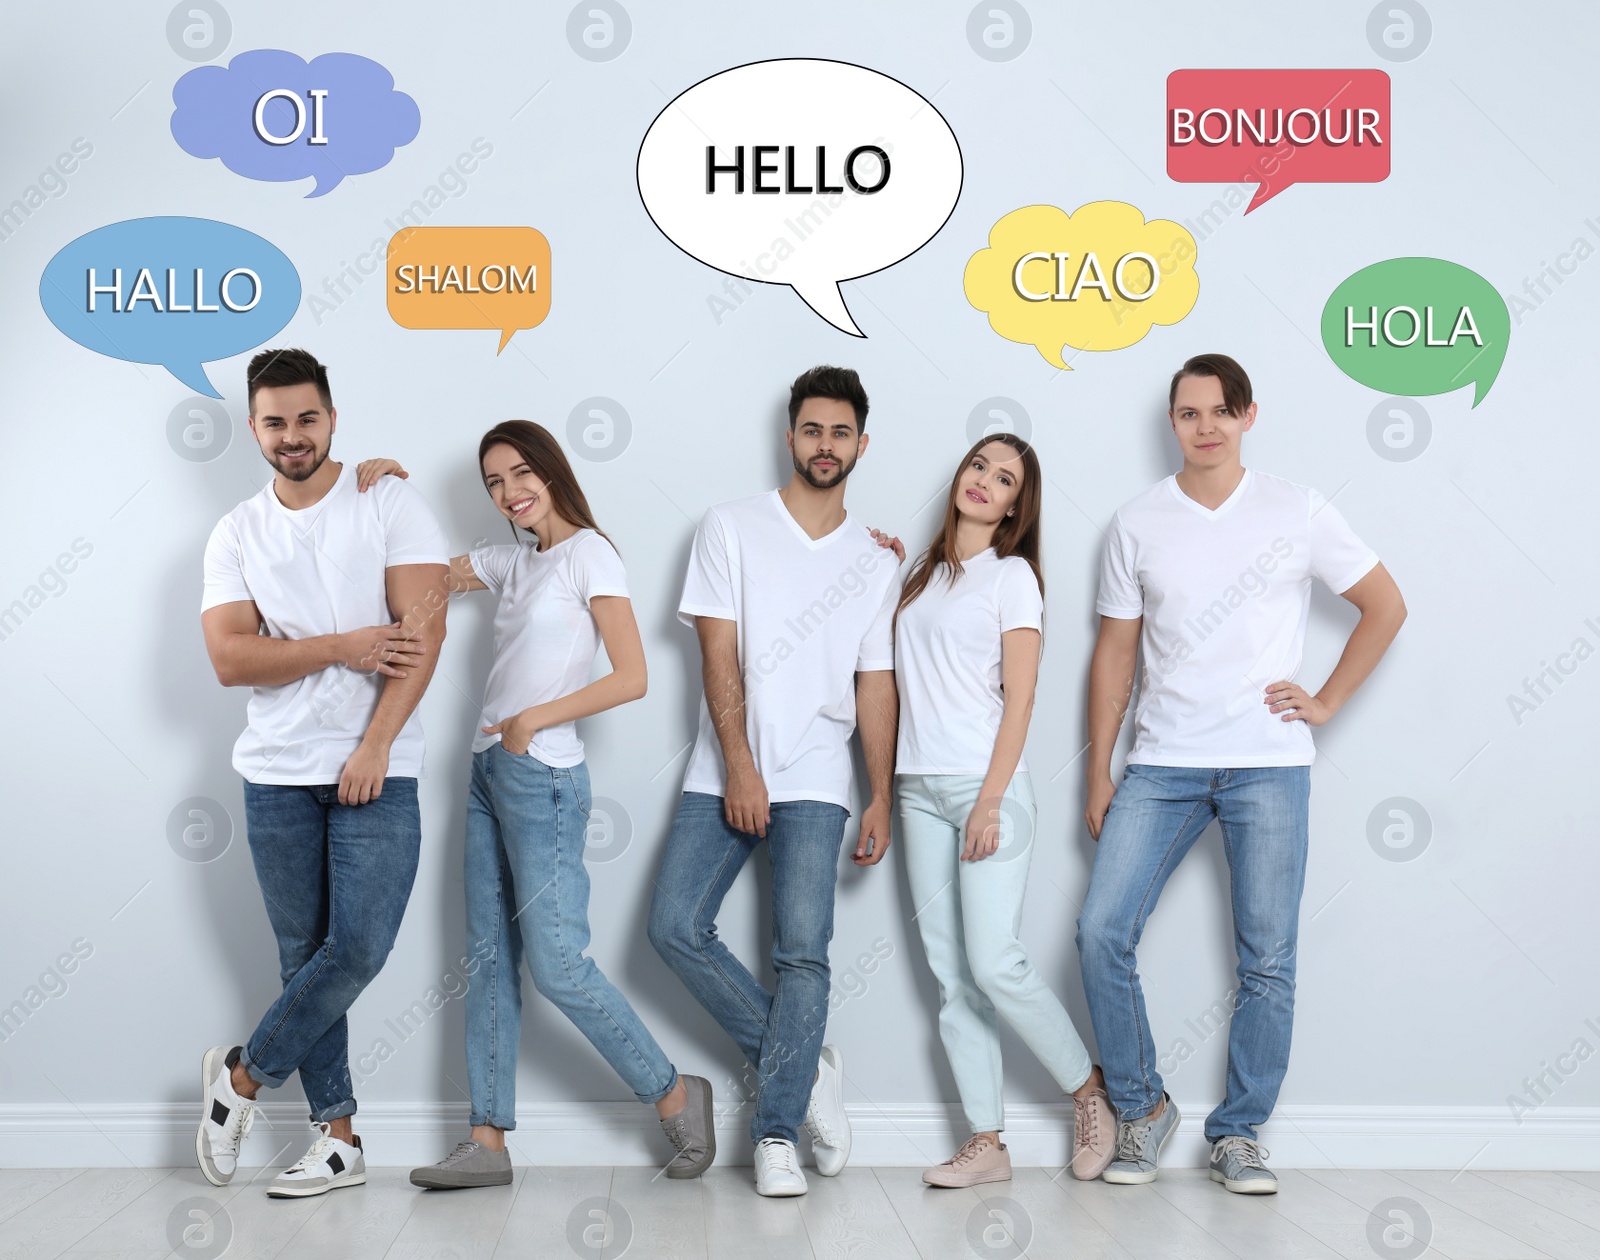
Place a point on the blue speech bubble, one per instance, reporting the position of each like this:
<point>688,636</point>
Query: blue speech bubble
<point>178,292</point>
<point>270,115</point>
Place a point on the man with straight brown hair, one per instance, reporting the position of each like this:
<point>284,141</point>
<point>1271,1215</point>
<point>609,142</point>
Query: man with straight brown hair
<point>1208,575</point>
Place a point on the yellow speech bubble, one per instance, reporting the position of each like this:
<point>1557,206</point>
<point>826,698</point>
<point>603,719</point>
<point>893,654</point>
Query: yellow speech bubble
<point>1096,279</point>
<point>469,277</point>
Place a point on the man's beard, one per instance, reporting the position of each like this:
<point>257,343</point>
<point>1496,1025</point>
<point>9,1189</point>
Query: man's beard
<point>841,472</point>
<point>302,472</point>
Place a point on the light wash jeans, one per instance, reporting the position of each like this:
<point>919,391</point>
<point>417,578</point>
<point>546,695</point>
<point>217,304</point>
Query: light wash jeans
<point>336,879</point>
<point>969,914</point>
<point>1157,814</point>
<point>528,896</point>
<point>780,1033</point>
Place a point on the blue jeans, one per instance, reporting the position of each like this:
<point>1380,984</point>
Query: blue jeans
<point>336,879</point>
<point>528,896</point>
<point>780,1033</point>
<point>970,914</point>
<point>1157,814</point>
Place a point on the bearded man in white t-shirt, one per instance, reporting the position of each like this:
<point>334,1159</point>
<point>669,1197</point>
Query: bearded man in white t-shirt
<point>793,601</point>
<point>1208,576</point>
<point>329,603</point>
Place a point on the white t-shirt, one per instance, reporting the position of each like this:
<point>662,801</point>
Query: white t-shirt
<point>811,613</point>
<point>545,637</point>
<point>1224,596</point>
<point>947,662</point>
<point>315,571</point>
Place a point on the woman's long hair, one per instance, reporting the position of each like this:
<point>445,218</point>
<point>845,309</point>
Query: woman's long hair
<point>1016,535</point>
<point>543,454</point>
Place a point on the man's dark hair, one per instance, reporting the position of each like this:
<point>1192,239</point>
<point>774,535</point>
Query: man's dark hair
<point>276,368</point>
<point>829,382</point>
<point>1235,383</point>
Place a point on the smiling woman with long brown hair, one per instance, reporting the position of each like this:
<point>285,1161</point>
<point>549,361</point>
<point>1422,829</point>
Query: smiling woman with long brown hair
<point>967,640</point>
<point>529,800</point>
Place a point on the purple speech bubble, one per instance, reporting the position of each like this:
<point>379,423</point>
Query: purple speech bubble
<point>271,115</point>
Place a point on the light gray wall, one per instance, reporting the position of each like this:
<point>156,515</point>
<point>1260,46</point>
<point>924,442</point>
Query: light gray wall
<point>1445,980</point>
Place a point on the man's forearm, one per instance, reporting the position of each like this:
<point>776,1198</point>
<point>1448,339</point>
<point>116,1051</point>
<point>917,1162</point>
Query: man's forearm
<point>1110,687</point>
<point>399,699</point>
<point>426,604</point>
<point>259,660</point>
<point>1365,648</point>
<point>725,702</point>
<point>878,721</point>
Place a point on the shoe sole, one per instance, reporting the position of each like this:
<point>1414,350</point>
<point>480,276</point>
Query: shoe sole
<point>461,1181</point>
<point>781,1194</point>
<point>286,1192</point>
<point>1143,1179</point>
<point>208,1074</point>
<point>1256,1185</point>
<point>1094,1170</point>
<point>978,1179</point>
<point>849,1138</point>
<point>707,1118</point>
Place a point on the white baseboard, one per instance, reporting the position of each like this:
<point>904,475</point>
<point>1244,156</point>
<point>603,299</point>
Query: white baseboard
<point>162,1135</point>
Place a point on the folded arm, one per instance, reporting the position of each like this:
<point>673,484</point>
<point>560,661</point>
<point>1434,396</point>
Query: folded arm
<point>418,598</point>
<point>244,657</point>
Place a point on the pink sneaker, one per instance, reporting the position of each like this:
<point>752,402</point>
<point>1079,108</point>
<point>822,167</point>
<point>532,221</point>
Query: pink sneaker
<point>1094,1135</point>
<point>979,1160</point>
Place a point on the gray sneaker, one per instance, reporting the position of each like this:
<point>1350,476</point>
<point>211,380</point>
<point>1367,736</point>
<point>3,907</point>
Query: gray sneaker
<point>1237,1163</point>
<point>470,1164</point>
<point>691,1131</point>
<point>1139,1144</point>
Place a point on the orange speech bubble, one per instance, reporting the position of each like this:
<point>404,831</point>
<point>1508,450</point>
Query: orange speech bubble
<point>469,277</point>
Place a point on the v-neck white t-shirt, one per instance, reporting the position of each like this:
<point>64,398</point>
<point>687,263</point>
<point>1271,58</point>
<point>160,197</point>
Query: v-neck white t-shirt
<point>1225,595</point>
<point>810,613</point>
<point>947,654</point>
<point>545,636</point>
<point>315,571</point>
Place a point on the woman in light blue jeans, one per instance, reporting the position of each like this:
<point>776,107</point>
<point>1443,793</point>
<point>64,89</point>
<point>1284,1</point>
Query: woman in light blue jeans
<point>528,807</point>
<point>967,642</point>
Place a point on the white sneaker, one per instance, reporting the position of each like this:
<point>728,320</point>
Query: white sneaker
<point>826,1121</point>
<point>778,1172</point>
<point>329,1164</point>
<point>225,1117</point>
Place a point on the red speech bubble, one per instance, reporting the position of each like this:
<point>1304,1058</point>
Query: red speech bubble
<point>1274,128</point>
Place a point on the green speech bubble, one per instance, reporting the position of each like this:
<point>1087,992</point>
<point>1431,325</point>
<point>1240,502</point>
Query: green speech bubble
<point>1415,326</point>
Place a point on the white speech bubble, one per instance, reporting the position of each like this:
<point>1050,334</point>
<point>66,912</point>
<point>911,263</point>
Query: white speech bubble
<point>815,238</point>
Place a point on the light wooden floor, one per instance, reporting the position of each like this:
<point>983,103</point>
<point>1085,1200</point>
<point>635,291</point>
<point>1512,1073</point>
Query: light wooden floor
<point>867,1213</point>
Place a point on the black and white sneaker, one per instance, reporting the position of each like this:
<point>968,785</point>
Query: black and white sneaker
<point>328,1165</point>
<point>225,1116</point>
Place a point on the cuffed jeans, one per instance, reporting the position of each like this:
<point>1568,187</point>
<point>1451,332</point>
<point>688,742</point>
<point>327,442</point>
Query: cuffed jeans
<point>1156,815</point>
<point>528,896</point>
<point>969,914</point>
<point>336,879</point>
<point>780,1033</point>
